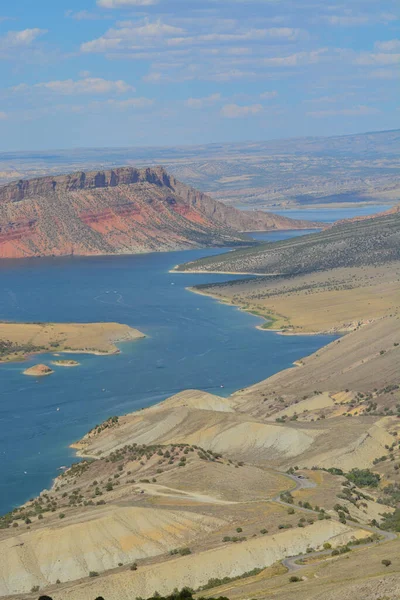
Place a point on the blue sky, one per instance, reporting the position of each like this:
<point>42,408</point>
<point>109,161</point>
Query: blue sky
<point>170,72</point>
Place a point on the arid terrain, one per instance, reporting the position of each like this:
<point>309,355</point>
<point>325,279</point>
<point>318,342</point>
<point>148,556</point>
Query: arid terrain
<point>17,340</point>
<point>286,490</point>
<point>333,281</point>
<point>302,172</point>
<point>289,488</point>
<point>372,241</point>
<point>121,211</point>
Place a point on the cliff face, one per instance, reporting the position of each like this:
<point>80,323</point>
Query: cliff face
<point>121,211</point>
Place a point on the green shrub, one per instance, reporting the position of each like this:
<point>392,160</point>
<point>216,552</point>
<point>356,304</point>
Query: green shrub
<point>363,478</point>
<point>327,546</point>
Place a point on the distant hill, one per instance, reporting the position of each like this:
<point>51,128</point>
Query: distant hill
<point>273,173</point>
<point>120,211</point>
<point>370,241</point>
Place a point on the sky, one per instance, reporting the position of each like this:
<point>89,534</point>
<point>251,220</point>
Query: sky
<point>98,73</point>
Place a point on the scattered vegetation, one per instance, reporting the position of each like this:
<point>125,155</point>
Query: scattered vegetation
<point>215,582</point>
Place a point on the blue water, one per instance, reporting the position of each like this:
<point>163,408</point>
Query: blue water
<point>193,342</point>
<point>329,215</point>
<point>326,215</point>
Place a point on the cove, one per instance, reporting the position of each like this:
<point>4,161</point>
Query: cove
<point>192,342</point>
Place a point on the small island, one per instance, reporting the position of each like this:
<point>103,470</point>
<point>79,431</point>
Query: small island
<point>65,363</point>
<point>38,371</point>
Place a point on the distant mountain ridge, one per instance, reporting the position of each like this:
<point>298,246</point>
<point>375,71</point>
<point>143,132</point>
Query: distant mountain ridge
<point>120,211</point>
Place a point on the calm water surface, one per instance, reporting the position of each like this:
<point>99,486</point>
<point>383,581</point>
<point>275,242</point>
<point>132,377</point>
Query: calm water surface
<point>329,215</point>
<point>192,342</point>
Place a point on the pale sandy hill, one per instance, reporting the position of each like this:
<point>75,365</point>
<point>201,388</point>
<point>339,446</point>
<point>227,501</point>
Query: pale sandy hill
<point>196,399</point>
<point>314,403</point>
<point>225,482</point>
<point>362,360</point>
<point>334,442</point>
<point>347,445</point>
<point>97,544</point>
<point>228,433</point>
<point>196,570</point>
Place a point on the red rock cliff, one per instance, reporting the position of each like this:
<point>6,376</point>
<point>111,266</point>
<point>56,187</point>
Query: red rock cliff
<point>119,211</point>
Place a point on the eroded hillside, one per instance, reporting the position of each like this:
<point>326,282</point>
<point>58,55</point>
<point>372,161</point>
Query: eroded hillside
<point>121,211</point>
<point>371,241</point>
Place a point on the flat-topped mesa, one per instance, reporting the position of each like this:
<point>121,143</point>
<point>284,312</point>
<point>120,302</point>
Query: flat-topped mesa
<point>120,211</point>
<point>44,186</point>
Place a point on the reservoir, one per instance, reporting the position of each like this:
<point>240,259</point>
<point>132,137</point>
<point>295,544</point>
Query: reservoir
<point>192,342</point>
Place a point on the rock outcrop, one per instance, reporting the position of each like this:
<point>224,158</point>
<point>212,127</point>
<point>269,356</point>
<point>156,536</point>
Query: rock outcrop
<point>121,211</point>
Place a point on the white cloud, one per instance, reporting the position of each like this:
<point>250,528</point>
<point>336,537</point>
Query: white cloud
<point>14,39</point>
<point>376,59</point>
<point>84,15</point>
<point>388,46</point>
<point>125,3</point>
<point>386,74</point>
<point>87,85</point>
<point>355,111</point>
<point>330,99</point>
<point>131,103</point>
<point>346,20</point>
<point>349,19</point>
<point>251,35</point>
<point>131,36</point>
<point>269,95</point>
<point>203,102</point>
<point>297,59</point>
<point>234,111</point>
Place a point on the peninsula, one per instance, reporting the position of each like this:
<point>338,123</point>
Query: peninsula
<point>332,281</point>
<point>19,340</point>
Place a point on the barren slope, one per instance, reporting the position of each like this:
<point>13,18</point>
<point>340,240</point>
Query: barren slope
<point>124,211</point>
<point>369,242</point>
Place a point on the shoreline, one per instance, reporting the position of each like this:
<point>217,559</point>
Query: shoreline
<point>78,448</point>
<point>28,340</point>
<point>272,319</point>
<point>278,331</point>
<point>198,272</point>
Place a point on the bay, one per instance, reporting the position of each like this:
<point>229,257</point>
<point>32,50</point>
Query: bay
<point>192,342</point>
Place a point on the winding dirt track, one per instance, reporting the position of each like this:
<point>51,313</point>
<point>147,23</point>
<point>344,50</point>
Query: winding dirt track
<point>291,562</point>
